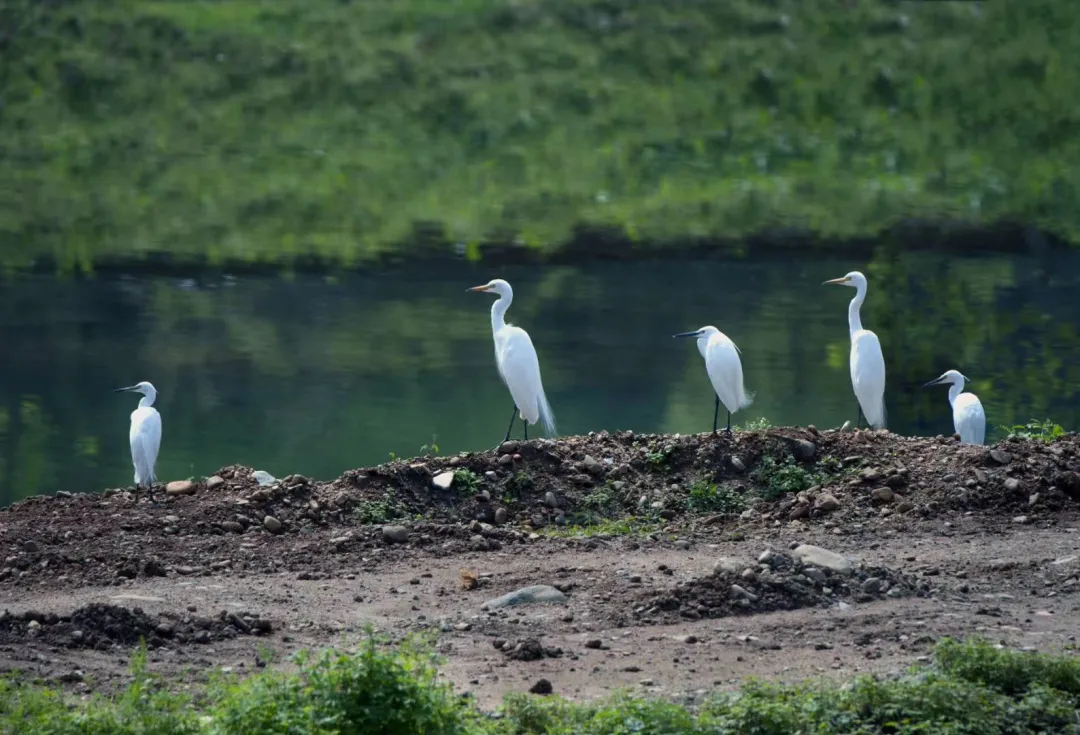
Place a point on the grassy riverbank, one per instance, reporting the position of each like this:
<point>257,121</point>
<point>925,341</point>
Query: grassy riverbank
<point>261,131</point>
<point>970,688</point>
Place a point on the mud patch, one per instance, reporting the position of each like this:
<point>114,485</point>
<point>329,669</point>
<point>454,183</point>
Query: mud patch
<point>778,581</point>
<point>101,627</point>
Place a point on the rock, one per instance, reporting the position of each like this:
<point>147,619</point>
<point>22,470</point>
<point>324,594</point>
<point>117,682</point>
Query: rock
<point>800,511</point>
<point>881,495</point>
<point>542,687</point>
<point>30,546</point>
<point>443,480</point>
<point>730,565</point>
<point>896,482</point>
<point>508,447</point>
<point>395,534</point>
<point>846,426</point>
<point>1021,519</point>
<point>537,593</point>
<point>1012,485</point>
<point>872,585</point>
<point>594,643</point>
<point>689,639</point>
<point>905,506</point>
<point>550,500</point>
<point>478,543</point>
<point>738,464</point>
<point>826,502</point>
<point>271,524</point>
<point>180,487</point>
<point>682,545</point>
<point>263,478</point>
<point>214,482</point>
<point>232,527</point>
<point>804,450</point>
<point>742,593</point>
<point>501,516</point>
<point>820,557</point>
<point>1000,457</point>
<point>592,466</point>
<point>462,627</point>
<point>186,570</point>
<point>153,568</point>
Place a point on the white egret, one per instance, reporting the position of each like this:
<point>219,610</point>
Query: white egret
<point>968,416</point>
<point>145,437</point>
<point>725,371</point>
<point>867,362</point>
<point>518,365</point>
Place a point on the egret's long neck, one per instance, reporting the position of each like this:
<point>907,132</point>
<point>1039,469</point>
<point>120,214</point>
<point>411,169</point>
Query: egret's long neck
<point>498,313</point>
<point>954,392</point>
<point>853,320</point>
<point>147,401</point>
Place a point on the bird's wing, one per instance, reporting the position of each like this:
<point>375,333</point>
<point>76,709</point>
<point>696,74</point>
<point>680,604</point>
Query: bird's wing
<point>725,373</point>
<point>520,369</point>
<point>868,375</point>
<point>969,418</point>
<point>145,439</point>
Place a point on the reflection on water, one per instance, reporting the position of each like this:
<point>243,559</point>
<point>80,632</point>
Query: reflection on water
<point>316,376</point>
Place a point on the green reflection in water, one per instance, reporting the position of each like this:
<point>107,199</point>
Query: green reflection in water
<point>319,376</point>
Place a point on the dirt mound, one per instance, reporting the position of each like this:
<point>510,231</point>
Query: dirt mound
<point>102,626</point>
<point>778,581</point>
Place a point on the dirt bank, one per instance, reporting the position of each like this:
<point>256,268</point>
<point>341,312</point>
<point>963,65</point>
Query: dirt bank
<point>682,562</point>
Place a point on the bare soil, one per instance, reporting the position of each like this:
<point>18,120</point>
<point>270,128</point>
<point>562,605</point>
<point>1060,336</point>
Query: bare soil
<point>665,593</point>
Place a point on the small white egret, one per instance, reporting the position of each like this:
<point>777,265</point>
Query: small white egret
<point>968,416</point>
<point>725,371</point>
<point>145,437</point>
<point>518,365</point>
<point>867,362</point>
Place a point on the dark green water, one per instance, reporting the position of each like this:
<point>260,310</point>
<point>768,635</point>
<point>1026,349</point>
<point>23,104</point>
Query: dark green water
<point>316,376</point>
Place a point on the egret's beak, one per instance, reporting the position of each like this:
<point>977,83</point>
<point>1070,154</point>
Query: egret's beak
<point>122,390</point>
<point>695,333</point>
<point>935,381</point>
<point>836,281</point>
<point>479,288</point>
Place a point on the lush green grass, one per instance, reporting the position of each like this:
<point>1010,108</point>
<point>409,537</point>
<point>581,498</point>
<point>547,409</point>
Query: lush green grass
<point>267,129</point>
<point>971,688</point>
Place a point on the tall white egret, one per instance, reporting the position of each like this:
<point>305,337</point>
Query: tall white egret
<point>968,416</point>
<point>867,362</point>
<point>145,437</point>
<point>725,371</point>
<point>518,365</point>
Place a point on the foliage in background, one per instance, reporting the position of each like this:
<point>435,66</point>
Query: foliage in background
<point>972,688</point>
<point>274,130</point>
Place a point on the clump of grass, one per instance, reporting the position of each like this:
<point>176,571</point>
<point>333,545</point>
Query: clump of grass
<point>1044,431</point>
<point>707,497</point>
<point>466,482</point>
<point>758,424</point>
<point>776,478</point>
<point>377,511</point>
<point>595,526</point>
<point>600,499</point>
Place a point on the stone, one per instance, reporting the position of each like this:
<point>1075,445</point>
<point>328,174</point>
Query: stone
<point>180,487</point>
<point>263,478</point>
<point>537,593</point>
<point>882,495</point>
<point>826,502</point>
<point>1000,457</point>
<point>501,516</point>
<point>594,643</point>
<point>820,557</point>
<point>1012,485</point>
<point>800,511</point>
<point>271,524</point>
<point>550,500</point>
<point>738,464</point>
<point>896,482</point>
<point>214,481</point>
<point>1021,519</point>
<point>742,593</point>
<point>542,687</point>
<point>395,534</point>
<point>508,447</point>
<point>682,545</point>
<point>730,565</point>
<point>232,527</point>
<point>905,506</point>
<point>443,480</point>
<point>872,585</point>
<point>804,450</point>
<point>592,466</point>
<point>154,568</point>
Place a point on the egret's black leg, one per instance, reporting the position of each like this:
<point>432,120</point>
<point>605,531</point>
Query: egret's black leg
<point>716,414</point>
<point>859,418</point>
<point>513,415</point>
<point>729,422</point>
<point>526,425</point>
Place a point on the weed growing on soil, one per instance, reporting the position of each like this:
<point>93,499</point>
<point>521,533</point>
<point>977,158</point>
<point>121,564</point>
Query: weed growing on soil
<point>971,687</point>
<point>778,477</point>
<point>758,424</point>
<point>657,458</point>
<point>1044,431</point>
<point>376,511</point>
<point>429,450</point>
<point>706,497</point>
<point>520,482</point>
<point>594,526</point>
<point>601,499</point>
<point>466,481</point>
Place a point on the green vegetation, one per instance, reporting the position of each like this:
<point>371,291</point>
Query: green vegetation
<point>378,511</point>
<point>596,526</point>
<point>972,688</point>
<point>1045,431</point>
<point>262,131</point>
<point>776,477</point>
<point>706,497</point>
<point>758,424</point>
<point>466,482</point>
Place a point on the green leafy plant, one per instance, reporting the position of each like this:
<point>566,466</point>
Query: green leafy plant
<point>377,511</point>
<point>706,497</point>
<point>1044,431</point>
<point>466,481</point>
<point>758,424</point>
<point>659,457</point>
<point>430,449</point>
<point>776,478</point>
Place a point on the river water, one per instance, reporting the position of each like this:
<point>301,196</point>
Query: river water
<point>317,376</point>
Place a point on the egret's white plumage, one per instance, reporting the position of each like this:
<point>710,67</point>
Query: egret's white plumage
<point>867,362</point>
<point>516,359</point>
<point>145,436</point>
<point>725,371</point>
<point>969,418</point>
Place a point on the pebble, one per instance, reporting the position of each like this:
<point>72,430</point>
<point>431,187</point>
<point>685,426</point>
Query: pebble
<point>462,627</point>
<point>742,593</point>
<point>501,516</point>
<point>826,502</point>
<point>263,477</point>
<point>1000,457</point>
<point>214,481</point>
<point>550,500</point>
<point>443,480</point>
<point>271,524</point>
<point>232,527</point>
<point>804,450</point>
<point>1021,519</point>
<point>542,687</point>
<point>508,447</point>
<point>395,534</point>
<point>682,545</point>
<point>872,585</point>
<point>738,464</point>
<point>592,466</point>
<point>594,643</point>
<point>881,495</point>
<point>180,487</point>
<point>1012,484</point>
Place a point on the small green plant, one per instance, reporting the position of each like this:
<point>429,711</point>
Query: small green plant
<point>776,478</point>
<point>599,499</point>
<point>706,497</point>
<point>595,526</point>
<point>377,511</point>
<point>520,482</point>
<point>1044,431</point>
<point>392,455</point>
<point>428,450</point>
<point>659,457</point>
<point>466,481</point>
<point>758,424</point>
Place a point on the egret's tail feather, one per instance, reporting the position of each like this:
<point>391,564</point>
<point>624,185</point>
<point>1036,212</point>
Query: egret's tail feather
<point>876,418</point>
<point>746,400</point>
<point>547,417</point>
